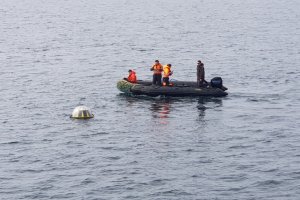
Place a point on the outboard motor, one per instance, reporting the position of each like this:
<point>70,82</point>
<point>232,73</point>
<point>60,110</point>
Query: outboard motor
<point>216,82</point>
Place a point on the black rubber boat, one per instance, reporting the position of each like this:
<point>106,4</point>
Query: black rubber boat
<point>179,89</point>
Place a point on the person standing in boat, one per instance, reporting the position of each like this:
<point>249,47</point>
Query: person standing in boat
<point>131,77</point>
<point>157,69</point>
<point>200,74</point>
<point>167,73</point>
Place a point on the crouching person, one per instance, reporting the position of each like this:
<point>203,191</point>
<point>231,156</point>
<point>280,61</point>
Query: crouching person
<point>131,77</point>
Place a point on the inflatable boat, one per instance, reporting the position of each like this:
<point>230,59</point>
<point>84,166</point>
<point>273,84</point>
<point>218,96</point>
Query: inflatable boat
<point>178,89</point>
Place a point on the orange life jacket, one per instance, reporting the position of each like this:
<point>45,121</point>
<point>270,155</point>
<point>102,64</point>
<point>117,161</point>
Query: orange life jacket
<point>132,77</point>
<point>157,68</point>
<point>167,71</point>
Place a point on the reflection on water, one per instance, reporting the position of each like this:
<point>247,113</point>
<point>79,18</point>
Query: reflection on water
<point>128,98</point>
<point>209,102</point>
<point>161,110</point>
<point>205,103</point>
<point>162,107</point>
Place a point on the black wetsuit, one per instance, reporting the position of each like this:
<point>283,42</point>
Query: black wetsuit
<point>200,75</point>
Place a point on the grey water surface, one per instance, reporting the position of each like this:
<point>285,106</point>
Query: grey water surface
<point>58,54</point>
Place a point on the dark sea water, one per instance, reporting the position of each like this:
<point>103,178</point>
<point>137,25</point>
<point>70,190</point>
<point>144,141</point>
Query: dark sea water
<point>58,54</point>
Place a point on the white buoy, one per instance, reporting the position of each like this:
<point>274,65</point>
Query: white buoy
<point>82,112</point>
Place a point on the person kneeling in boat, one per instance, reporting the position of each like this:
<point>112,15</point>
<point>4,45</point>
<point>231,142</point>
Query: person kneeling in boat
<point>157,69</point>
<point>167,73</point>
<point>131,77</point>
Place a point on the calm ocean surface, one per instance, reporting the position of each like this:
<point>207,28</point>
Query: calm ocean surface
<point>58,54</point>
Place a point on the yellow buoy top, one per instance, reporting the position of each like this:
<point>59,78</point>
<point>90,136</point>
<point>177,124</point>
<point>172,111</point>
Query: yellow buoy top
<point>82,112</point>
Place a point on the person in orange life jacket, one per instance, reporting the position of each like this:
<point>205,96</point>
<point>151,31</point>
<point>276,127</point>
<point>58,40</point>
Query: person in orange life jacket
<point>167,73</point>
<point>157,69</point>
<point>131,77</point>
